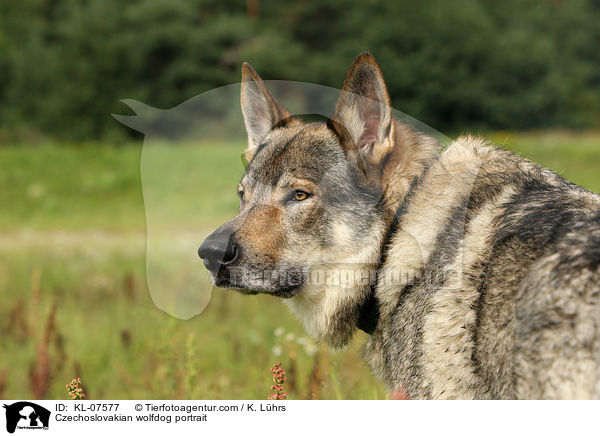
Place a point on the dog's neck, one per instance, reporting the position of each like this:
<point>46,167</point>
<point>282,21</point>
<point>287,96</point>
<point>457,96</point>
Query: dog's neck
<point>411,155</point>
<point>329,305</point>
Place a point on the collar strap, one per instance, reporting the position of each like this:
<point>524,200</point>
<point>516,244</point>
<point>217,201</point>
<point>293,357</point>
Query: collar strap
<point>369,310</point>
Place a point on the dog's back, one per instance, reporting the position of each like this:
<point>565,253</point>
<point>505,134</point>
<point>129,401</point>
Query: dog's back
<point>498,297</point>
<point>557,317</point>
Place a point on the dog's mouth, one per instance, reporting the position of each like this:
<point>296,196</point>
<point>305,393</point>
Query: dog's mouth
<point>251,286</point>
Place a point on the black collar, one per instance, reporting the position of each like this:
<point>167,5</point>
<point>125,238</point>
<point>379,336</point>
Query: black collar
<point>369,310</point>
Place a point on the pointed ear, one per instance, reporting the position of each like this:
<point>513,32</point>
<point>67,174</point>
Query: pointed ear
<point>260,109</point>
<point>363,114</point>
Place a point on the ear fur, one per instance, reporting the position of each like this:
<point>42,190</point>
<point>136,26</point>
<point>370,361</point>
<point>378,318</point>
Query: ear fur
<point>363,114</point>
<point>260,109</point>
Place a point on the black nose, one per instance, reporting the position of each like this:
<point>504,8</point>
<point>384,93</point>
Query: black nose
<point>218,250</point>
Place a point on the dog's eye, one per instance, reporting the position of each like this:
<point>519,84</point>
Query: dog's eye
<point>301,195</point>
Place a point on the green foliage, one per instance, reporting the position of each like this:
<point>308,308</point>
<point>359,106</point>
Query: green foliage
<point>65,64</point>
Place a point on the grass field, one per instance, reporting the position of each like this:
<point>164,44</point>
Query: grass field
<point>73,279</point>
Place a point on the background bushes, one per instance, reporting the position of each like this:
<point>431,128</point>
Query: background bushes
<point>465,64</point>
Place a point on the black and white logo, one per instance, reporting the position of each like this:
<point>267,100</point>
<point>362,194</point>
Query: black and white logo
<point>26,415</point>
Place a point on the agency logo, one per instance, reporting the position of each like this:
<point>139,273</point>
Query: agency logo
<point>26,415</point>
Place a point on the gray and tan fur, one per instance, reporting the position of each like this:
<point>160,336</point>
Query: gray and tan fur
<point>487,265</point>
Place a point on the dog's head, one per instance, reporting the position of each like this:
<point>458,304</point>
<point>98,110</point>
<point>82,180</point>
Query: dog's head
<point>313,192</point>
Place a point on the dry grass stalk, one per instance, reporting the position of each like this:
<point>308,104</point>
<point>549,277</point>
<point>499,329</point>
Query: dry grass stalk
<point>292,373</point>
<point>129,286</point>
<point>16,324</point>
<point>315,379</point>
<point>3,377</point>
<point>36,280</point>
<point>41,371</point>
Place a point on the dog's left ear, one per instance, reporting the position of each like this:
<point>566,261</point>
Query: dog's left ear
<point>363,114</point>
<point>260,109</point>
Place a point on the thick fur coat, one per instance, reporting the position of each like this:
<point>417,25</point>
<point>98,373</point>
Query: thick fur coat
<point>479,269</point>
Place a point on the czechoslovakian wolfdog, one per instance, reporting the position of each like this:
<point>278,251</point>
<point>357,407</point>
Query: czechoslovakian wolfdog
<point>475,271</point>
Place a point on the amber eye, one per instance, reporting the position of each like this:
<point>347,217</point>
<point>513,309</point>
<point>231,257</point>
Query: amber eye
<point>301,195</point>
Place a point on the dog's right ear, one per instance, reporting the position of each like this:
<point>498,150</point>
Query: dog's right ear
<point>260,109</point>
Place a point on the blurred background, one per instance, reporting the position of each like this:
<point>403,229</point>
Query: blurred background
<point>524,73</point>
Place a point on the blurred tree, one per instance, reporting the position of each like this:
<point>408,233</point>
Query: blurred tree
<point>64,64</point>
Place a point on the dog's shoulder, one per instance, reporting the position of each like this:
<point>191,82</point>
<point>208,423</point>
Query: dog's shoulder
<point>468,231</point>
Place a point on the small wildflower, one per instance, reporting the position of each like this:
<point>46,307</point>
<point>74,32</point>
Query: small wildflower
<point>301,341</point>
<point>279,331</point>
<point>277,350</point>
<point>310,348</point>
<point>75,390</point>
<point>279,379</point>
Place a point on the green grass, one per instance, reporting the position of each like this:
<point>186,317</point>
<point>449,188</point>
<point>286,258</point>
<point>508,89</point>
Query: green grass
<point>50,187</point>
<point>574,156</point>
<point>72,233</point>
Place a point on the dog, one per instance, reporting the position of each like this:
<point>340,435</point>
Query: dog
<point>476,272</point>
